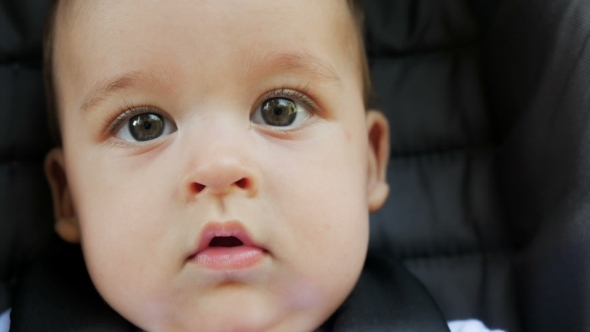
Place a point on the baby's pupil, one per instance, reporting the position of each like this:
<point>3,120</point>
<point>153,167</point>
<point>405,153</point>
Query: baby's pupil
<point>280,112</point>
<point>147,126</point>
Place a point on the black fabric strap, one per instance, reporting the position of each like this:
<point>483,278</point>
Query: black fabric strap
<point>387,298</point>
<point>57,295</point>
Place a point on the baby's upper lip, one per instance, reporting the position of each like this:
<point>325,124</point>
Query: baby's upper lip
<point>224,229</point>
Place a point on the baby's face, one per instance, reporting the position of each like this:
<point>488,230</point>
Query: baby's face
<point>220,164</point>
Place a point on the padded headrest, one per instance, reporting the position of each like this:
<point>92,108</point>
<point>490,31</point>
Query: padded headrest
<point>26,230</point>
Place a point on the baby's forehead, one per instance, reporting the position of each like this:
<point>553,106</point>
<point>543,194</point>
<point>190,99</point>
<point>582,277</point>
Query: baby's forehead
<point>88,20</point>
<point>76,12</point>
<point>247,35</point>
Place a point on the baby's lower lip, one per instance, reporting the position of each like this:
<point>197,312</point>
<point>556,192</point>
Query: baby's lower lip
<point>229,258</point>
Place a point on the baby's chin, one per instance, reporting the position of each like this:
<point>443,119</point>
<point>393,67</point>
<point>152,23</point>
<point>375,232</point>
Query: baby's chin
<point>232,310</point>
<point>239,319</point>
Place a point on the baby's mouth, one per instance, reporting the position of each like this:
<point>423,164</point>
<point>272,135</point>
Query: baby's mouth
<point>227,246</point>
<point>225,241</point>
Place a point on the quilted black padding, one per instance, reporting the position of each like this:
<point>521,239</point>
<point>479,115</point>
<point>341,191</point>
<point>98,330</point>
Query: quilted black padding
<point>489,104</point>
<point>25,206</point>
<point>543,164</point>
<point>443,217</point>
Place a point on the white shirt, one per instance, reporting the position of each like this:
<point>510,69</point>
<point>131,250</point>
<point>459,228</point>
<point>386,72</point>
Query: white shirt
<point>470,325</point>
<point>5,321</point>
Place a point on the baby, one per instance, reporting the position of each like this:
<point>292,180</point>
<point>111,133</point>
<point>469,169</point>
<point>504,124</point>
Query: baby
<point>217,160</point>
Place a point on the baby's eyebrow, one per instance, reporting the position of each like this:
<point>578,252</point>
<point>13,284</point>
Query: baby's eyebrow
<point>302,62</point>
<point>128,80</point>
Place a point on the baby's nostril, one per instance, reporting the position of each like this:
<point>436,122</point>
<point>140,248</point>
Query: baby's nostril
<point>197,187</point>
<point>225,241</point>
<point>243,183</point>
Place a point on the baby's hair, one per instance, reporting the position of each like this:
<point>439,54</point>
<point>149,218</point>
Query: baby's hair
<point>358,15</point>
<point>48,38</point>
<point>48,42</point>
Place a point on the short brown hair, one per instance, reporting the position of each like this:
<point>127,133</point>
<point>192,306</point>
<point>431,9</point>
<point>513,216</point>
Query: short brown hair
<point>48,42</point>
<point>48,36</point>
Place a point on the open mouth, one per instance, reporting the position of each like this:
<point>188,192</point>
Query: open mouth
<point>227,246</point>
<point>225,241</point>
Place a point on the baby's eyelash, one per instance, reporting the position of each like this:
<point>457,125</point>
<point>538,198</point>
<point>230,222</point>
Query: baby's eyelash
<point>300,94</point>
<point>128,111</point>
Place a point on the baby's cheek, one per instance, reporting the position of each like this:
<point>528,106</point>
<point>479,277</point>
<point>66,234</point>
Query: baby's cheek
<point>126,254</point>
<point>329,227</point>
<point>127,285</point>
<point>348,136</point>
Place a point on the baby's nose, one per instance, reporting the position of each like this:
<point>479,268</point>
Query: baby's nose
<point>219,157</point>
<point>221,177</point>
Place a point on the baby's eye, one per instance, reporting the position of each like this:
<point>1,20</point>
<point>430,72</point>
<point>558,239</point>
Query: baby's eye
<point>280,112</point>
<point>145,127</point>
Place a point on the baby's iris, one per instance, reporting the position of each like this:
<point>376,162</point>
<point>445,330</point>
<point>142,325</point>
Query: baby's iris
<point>147,126</point>
<point>280,112</point>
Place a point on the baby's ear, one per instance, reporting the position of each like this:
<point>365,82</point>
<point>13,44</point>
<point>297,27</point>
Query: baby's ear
<point>66,224</point>
<point>378,130</point>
